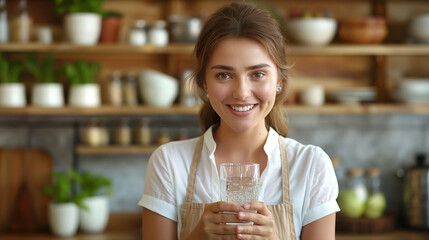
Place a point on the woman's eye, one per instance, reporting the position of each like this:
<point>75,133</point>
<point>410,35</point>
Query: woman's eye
<point>258,74</point>
<point>223,76</point>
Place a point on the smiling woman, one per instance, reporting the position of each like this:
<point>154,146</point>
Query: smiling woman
<point>241,77</point>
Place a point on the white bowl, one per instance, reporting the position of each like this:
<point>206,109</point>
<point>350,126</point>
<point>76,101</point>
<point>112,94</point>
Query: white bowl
<point>414,86</point>
<point>312,31</point>
<point>158,89</point>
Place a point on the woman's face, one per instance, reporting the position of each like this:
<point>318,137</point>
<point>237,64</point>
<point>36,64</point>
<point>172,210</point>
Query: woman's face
<point>241,80</point>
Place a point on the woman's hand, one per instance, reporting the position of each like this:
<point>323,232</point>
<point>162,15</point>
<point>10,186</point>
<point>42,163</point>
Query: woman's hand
<point>263,223</point>
<point>212,224</point>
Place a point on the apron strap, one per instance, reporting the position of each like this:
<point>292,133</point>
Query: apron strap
<point>193,171</point>
<point>285,171</point>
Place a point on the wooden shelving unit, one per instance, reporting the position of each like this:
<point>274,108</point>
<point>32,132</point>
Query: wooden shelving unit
<point>115,149</point>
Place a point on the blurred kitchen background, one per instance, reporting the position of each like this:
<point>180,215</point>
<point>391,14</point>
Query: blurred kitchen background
<point>359,87</point>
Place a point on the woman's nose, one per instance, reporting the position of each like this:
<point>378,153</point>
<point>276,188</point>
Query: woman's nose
<point>241,90</point>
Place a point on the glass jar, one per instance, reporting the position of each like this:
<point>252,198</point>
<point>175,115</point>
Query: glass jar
<point>163,137</point>
<point>130,90</point>
<point>352,199</point>
<point>115,89</point>
<point>22,23</point>
<point>94,134</point>
<point>376,202</point>
<point>158,34</point>
<point>143,133</point>
<point>123,133</point>
<point>4,30</point>
<point>137,34</point>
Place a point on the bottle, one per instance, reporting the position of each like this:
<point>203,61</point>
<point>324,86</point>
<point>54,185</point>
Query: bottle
<point>158,35</point>
<point>115,89</point>
<point>92,134</point>
<point>137,34</point>
<point>123,133</point>
<point>130,90</point>
<point>376,202</point>
<point>22,23</point>
<point>352,199</point>
<point>4,30</point>
<point>143,133</point>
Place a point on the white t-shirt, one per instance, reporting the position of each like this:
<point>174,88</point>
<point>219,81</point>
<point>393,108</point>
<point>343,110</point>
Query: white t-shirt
<point>313,185</point>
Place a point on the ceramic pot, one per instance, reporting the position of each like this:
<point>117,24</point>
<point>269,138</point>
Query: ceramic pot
<point>63,219</point>
<point>85,95</point>
<point>83,28</point>
<point>158,89</point>
<point>110,29</point>
<point>12,95</point>
<point>47,95</point>
<point>95,218</point>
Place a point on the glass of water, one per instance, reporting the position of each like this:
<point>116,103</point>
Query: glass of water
<point>239,183</point>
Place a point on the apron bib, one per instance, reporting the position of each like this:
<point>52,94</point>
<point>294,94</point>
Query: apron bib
<point>282,214</point>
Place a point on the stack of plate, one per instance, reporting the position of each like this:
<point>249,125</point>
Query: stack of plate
<point>353,95</point>
<point>419,28</point>
<point>413,91</point>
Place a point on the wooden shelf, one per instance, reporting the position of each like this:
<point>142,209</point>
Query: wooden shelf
<point>175,110</point>
<point>115,149</point>
<point>333,49</point>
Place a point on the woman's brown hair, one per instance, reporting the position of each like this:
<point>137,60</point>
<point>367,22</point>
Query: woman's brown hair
<point>247,21</point>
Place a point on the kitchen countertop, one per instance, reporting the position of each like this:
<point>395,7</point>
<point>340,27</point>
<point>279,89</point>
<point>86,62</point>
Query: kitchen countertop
<point>123,226</point>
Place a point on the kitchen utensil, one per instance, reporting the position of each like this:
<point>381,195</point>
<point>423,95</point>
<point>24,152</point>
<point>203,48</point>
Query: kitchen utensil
<point>23,173</point>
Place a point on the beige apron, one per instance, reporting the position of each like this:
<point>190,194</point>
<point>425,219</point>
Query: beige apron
<point>282,213</point>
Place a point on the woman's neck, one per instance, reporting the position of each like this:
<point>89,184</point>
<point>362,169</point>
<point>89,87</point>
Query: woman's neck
<point>246,146</point>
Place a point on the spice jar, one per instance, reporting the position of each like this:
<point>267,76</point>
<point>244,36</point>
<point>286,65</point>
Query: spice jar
<point>163,137</point>
<point>130,90</point>
<point>115,89</point>
<point>137,34</point>
<point>143,133</point>
<point>352,199</point>
<point>22,23</point>
<point>376,202</point>
<point>158,34</point>
<point>94,134</point>
<point>4,31</point>
<point>123,133</point>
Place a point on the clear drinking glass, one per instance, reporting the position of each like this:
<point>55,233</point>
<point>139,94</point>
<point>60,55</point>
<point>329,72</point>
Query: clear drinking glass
<point>239,183</point>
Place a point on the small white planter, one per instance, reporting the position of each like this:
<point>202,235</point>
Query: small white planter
<point>63,219</point>
<point>83,28</point>
<point>94,220</point>
<point>12,95</point>
<point>85,95</point>
<point>47,95</point>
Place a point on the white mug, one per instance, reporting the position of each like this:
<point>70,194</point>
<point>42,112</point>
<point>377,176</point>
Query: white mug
<point>313,96</point>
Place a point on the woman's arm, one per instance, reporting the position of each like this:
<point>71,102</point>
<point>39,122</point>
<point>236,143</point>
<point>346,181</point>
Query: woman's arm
<point>155,226</point>
<point>321,229</point>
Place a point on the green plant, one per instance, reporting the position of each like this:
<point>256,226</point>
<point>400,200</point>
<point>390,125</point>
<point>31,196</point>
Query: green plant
<point>81,72</point>
<point>62,188</point>
<point>9,71</point>
<point>44,71</point>
<point>111,14</point>
<point>93,185</point>
<point>78,6</point>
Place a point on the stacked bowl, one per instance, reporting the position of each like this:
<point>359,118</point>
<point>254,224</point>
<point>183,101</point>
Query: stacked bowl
<point>419,28</point>
<point>413,91</point>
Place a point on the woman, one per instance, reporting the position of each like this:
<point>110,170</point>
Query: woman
<point>241,75</point>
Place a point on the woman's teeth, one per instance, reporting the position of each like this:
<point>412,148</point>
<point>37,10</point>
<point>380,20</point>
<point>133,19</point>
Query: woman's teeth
<point>242,109</point>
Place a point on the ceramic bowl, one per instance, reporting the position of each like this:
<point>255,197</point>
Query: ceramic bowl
<point>365,30</point>
<point>158,89</point>
<point>418,28</point>
<point>311,31</point>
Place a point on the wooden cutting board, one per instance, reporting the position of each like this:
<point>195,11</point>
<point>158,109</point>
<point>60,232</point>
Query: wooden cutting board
<point>23,205</point>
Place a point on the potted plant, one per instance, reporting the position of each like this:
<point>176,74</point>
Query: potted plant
<point>48,92</point>
<point>95,190</point>
<point>12,92</point>
<point>64,207</point>
<point>84,89</point>
<point>82,20</point>
<point>110,26</point>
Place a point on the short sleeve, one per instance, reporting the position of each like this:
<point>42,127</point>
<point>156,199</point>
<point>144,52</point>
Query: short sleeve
<point>322,189</point>
<point>158,193</point>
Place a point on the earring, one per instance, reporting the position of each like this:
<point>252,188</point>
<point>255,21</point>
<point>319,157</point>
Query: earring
<point>207,92</point>
<point>278,89</point>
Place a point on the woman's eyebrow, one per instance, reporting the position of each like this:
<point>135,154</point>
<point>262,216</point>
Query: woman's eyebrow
<point>258,66</point>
